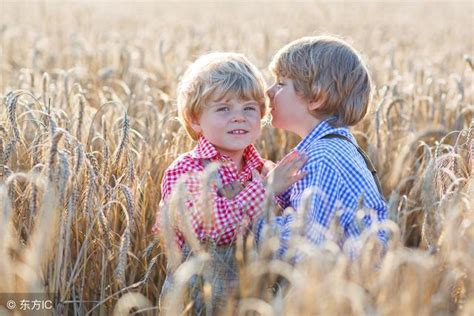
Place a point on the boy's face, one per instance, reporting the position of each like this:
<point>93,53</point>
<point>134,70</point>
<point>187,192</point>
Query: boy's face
<point>288,109</point>
<point>230,124</point>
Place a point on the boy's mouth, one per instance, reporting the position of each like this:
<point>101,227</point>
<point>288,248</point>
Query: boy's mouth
<point>237,132</point>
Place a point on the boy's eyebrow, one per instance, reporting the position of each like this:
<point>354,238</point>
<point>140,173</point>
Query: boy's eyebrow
<point>221,102</point>
<point>216,103</point>
<point>251,102</point>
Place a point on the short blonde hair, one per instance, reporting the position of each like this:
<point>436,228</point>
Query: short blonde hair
<point>217,75</point>
<point>329,69</point>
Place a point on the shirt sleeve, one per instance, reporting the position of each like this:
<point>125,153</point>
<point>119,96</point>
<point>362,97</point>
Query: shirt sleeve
<point>316,202</point>
<point>322,188</point>
<point>169,180</point>
<point>283,199</point>
<point>279,225</point>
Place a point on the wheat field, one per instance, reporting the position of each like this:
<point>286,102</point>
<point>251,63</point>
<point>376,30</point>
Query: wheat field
<point>87,128</point>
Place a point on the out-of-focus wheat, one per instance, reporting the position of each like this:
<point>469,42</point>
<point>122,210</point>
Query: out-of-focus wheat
<point>88,126</point>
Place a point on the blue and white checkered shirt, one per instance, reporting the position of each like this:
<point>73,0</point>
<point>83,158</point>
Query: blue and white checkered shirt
<point>337,183</point>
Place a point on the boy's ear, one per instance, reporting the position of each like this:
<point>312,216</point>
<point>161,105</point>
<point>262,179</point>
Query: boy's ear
<point>195,125</point>
<point>317,104</point>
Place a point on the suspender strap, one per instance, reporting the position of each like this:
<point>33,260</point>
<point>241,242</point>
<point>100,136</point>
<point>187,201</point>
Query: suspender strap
<point>369,163</point>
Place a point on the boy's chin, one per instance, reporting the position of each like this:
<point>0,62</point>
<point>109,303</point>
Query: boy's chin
<point>236,146</point>
<point>275,124</point>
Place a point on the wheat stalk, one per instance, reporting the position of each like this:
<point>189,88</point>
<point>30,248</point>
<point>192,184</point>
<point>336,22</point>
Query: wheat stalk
<point>130,205</point>
<point>123,141</point>
<point>80,121</point>
<point>119,273</point>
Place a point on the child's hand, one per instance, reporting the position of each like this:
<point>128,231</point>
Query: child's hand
<point>268,166</point>
<point>286,172</point>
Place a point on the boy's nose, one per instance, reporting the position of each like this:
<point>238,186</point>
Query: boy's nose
<point>270,92</point>
<point>238,116</point>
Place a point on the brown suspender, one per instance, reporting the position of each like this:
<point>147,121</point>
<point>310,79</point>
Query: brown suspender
<point>369,164</point>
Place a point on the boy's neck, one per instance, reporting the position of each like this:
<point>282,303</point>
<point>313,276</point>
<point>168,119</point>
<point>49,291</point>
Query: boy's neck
<point>236,156</point>
<point>238,159</point>
<point>308,125</point>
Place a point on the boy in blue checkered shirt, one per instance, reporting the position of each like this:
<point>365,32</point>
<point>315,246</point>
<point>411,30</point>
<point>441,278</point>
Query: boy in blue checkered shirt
<point>321,88</point>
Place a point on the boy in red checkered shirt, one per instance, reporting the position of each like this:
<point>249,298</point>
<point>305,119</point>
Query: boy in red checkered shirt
<point>221,104</point>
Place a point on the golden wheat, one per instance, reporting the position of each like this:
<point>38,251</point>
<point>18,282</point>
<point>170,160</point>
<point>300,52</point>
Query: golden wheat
<point>88,126</point>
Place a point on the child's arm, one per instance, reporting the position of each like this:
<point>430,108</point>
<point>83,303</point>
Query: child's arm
<point>286,172</point>
<point>322,181</point>
<point>167,183</point>
<point>282,176</point>
<point>328,195</point>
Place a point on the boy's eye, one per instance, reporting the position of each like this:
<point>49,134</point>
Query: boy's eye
<point>222,109</point>
<point>250,108</point>
<point>278,82</point>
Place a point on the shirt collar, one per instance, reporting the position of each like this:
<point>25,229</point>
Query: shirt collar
<point>206,150</point>
<point>320,130</point>
<point>252,158</point>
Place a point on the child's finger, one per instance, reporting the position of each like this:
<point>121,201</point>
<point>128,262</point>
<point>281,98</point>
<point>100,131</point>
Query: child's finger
<point>267,167</point>
<point>302,159</point>
<point>291,154</point>
<point>269,164</point>
<point>289,157</point>
<point>297,177</point>
<point>288,161</point>
<point>296,164</point>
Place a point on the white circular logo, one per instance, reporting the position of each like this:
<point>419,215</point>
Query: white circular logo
<point>11,304</point>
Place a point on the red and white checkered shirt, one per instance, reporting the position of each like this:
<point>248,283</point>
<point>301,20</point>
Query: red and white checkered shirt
<point>229,216</point>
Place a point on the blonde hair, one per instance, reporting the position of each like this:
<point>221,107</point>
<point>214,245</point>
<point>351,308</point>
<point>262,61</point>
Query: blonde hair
<point>328,69</point>
<point>217,75</point>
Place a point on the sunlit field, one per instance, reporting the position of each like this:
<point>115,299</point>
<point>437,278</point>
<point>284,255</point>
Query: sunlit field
<point>88,126</point>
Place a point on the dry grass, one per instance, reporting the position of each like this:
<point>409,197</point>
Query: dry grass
<point>87,129</point>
